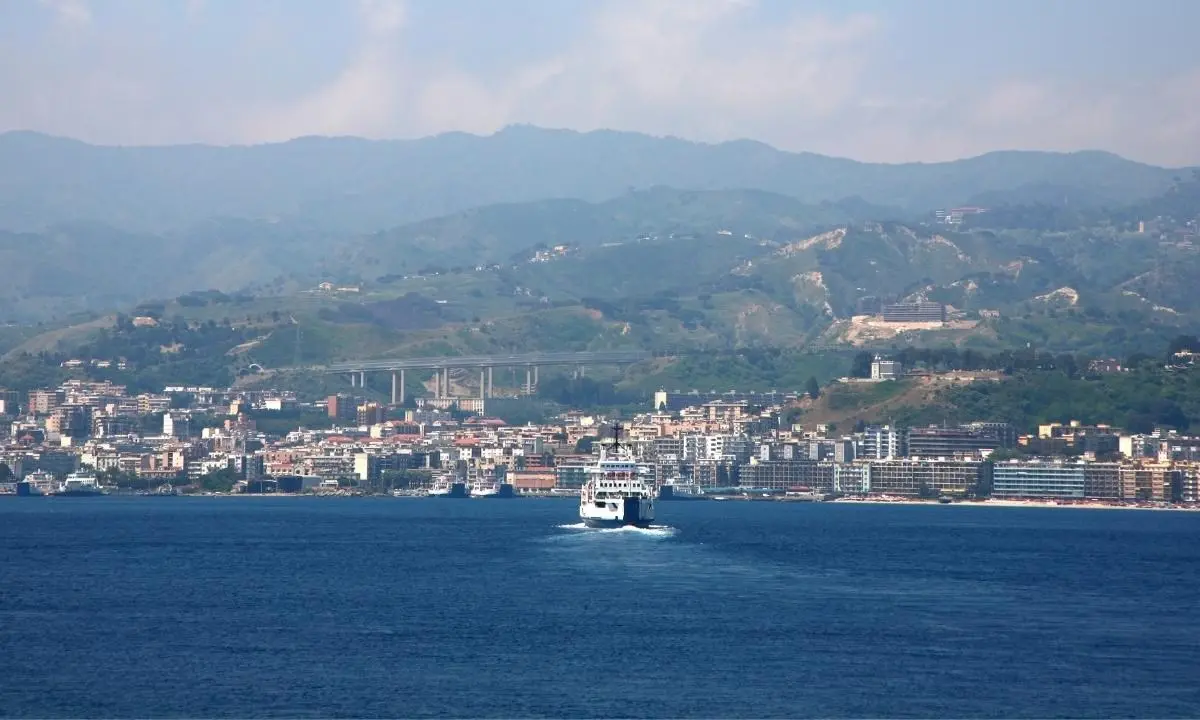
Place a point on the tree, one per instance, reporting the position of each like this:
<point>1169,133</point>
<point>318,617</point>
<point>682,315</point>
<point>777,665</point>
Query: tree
<point>813,388</point>
<point>218,480</point>
<point>861,367</point>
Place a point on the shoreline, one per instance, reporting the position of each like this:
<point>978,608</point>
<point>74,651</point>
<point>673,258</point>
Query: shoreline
<point>1021,504</point>
<point>992,503</point>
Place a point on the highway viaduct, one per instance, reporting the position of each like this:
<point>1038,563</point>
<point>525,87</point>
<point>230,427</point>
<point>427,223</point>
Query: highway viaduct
<point>358,369</point>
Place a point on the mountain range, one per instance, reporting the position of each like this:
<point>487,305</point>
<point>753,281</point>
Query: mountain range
<point>357,185</point>
<point>542,239</point>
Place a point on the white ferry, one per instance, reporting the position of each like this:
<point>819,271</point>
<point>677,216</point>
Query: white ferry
<point>491,489</point>
<point>80,484</point>
<point>618,491</point>
<point>36,484</point>
<point>447,486</point>
<point>677,489</point>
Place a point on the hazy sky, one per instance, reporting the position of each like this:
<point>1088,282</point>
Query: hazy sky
<point>870,79</point>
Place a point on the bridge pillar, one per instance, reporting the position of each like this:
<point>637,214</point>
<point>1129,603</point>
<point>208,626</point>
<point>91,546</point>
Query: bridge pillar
<point>362,378</point>
<point>446,385</point>
<point>483,384</point>
<point>394,387</point>
<point>437,384</point>
<point>401,387</point>
<point>528,380</point>
<point>489,382</point>
<point>535,378</point>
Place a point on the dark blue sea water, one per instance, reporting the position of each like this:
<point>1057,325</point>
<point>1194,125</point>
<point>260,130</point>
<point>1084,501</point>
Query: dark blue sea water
<point>147,607</point>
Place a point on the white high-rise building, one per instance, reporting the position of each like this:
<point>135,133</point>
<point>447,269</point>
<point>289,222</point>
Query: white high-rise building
<point>175,425</point>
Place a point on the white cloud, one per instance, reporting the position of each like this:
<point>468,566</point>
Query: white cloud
<point>1153,122</point>
<point>382,17</point>
<point>70,12</point>
<point>363,99</point>
<point>193,9</point>
<point>702,69</point>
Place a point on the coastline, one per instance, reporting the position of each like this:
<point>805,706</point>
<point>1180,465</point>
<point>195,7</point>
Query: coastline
<point>999,503</point>
<point>991,502</point>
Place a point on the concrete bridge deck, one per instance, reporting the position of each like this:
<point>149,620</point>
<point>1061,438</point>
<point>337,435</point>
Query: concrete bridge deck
<point>599,357</point>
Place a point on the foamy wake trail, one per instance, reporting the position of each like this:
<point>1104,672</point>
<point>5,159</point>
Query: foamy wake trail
<point>652,531</point>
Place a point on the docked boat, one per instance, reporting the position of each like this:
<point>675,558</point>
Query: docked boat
<point>492,490</point>
<point>447,486</point>
<point>36,484</point>
<point>79,484</point>
<point>618,490</point>
<point>678,490</point>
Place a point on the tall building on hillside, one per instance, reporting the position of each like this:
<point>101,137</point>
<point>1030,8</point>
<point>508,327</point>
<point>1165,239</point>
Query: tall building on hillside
<point>935,441</point>
<point>883,441</point>
<point>886,369</point>
<point>341,406</point>
<point>44,402</point>
<point>370,414</point>
<point>176,425</point>
<point>10,401</point>
<point>914,312</point>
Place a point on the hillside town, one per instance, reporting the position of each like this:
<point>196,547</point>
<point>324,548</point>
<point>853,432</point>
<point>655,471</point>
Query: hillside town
<point>206,440</point>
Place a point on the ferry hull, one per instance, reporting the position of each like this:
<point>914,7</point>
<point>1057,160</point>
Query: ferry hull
<point>601,523</point>
<point>667,492</point>
<point>634,512</point>
<point>456,490</point>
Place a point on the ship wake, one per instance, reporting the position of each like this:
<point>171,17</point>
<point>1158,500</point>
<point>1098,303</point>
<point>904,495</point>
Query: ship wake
<point>652,531</point>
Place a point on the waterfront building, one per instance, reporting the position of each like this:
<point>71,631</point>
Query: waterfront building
<point>1038,480</point>
<point>922,477</point>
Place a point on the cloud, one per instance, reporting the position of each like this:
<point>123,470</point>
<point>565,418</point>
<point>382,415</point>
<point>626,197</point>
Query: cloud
<point>363,98</point>
<point>836,82</point>
<point>382,17</point>
<point>70,12</point>
<point>193,9</point>
<point>1153,122</point>
<point>702,68</point>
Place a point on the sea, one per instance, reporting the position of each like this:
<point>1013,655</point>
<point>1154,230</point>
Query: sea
<point>129,607</point>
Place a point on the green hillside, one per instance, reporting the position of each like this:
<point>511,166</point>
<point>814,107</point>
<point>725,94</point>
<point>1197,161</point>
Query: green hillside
<point>666,270</point>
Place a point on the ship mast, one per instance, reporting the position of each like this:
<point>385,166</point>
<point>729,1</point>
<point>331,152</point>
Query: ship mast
<point>616,439</point>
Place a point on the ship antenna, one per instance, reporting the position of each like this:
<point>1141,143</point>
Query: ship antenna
<point>616,441</point>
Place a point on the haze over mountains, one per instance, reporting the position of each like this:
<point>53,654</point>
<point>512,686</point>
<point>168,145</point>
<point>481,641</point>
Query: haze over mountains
<point>356,185</point>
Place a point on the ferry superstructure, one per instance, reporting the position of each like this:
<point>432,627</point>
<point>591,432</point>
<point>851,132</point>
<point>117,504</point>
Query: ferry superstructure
<point>448,486</point>
<point>618,490</point>
<point>677,489</point>
<point>80,484</point>
<point>492,489</point>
